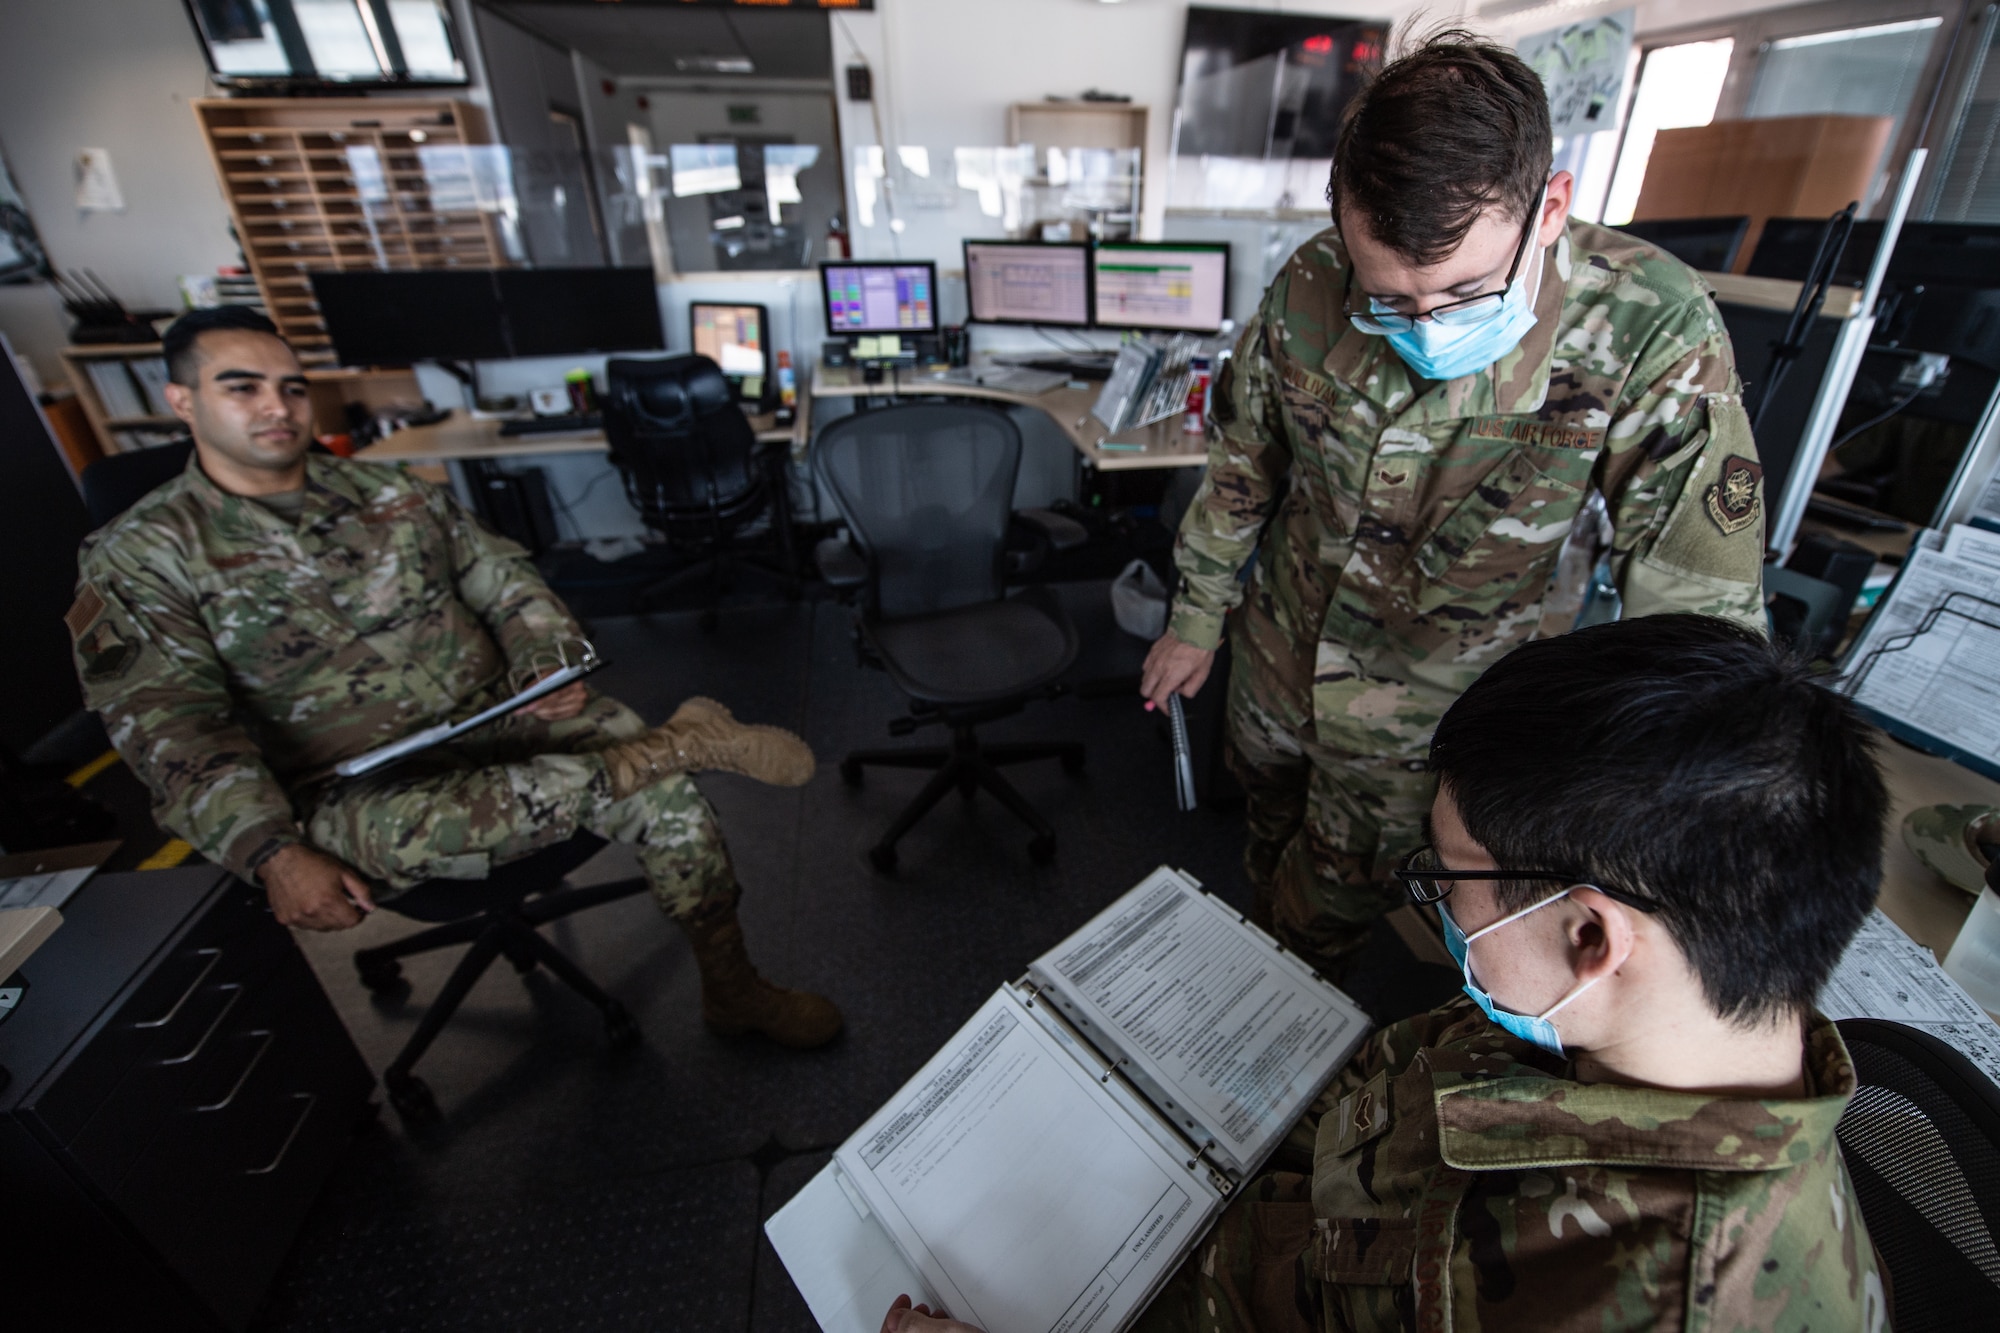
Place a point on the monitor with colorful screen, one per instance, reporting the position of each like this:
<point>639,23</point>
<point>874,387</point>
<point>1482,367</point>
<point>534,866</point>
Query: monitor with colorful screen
<point>879,296</point>
<point>737,338</point>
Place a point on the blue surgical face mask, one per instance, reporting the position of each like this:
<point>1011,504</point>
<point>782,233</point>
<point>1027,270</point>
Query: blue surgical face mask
<point>1446,351</point>
<point>1537,1029</point>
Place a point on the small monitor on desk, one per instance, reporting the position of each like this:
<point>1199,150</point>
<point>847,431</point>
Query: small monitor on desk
<point>1028,282</point>
<point>1174,287</point>
<point>735,337</point>
<point>866,297</point>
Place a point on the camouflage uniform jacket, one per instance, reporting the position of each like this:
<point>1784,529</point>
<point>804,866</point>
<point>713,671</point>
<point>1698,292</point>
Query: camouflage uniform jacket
<point>1408,531</point>
<point>234,657</point>
<point>1463,1181</point>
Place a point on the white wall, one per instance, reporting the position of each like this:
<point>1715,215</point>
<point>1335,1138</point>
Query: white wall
<point>116,75</point>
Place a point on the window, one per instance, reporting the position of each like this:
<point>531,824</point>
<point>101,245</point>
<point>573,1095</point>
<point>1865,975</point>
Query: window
<point>1679,86</point>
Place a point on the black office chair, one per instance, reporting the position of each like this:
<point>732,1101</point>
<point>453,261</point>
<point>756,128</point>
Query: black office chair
<point>926,490</point>
<point>1922,1142</point>
<point>116,482</point>
<point>498,915</point>
<point>695,471</point>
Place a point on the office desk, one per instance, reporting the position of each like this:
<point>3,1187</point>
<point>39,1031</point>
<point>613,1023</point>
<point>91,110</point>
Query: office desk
<point>1162,444</point>
<point>463,438</point>
<point>174,1089</point>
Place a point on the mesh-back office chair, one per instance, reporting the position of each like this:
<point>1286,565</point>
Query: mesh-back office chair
<point>926,490</point>
<point>1922,1142</point>
<point>498,915</point>
<point>694,469</point>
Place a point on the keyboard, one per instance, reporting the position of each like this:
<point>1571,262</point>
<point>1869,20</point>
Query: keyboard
<point>1007,379</point>
<point>564,425</point>
<point>1080,367</point>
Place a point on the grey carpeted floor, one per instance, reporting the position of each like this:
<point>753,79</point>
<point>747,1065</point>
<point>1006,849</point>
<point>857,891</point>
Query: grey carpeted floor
<point>570,1187</point>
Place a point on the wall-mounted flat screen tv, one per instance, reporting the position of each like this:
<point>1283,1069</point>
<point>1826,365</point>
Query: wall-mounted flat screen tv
<point>1265,85</point>
<point>352,43</point>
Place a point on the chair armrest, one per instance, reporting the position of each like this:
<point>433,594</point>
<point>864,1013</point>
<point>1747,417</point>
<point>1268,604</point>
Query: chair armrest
<point>1062,534</point>
<point>840,564</point>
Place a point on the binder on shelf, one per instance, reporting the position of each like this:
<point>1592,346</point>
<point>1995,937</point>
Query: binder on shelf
<point>151,373</point>
<point>1054,1163</point>
<point>116,389</point>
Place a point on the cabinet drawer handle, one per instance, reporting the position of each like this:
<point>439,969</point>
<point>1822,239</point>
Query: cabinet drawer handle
<point>214,956</point>
<point>235,994</point>
<point>263,1045</point>
<point>309,1098</point>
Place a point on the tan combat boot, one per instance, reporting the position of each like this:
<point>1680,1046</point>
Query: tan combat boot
<point>735,1000</point>
<point>704,735</point>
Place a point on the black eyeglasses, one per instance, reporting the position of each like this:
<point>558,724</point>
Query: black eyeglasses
<point>1426,880</point>
<point>1470,310</point>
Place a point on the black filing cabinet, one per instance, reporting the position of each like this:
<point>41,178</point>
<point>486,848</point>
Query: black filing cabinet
<point>177,1087</point>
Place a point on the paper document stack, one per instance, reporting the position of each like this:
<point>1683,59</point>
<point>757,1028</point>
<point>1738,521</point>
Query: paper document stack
<point>1928,665</point>
<point>1050,1167</point>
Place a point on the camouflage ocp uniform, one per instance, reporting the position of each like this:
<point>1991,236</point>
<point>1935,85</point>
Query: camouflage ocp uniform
<point>1462,1180</point>
<point>237,656</point>
<point>1406,535</point>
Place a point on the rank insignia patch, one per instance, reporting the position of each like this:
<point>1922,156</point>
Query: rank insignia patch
<point>1735,501</point>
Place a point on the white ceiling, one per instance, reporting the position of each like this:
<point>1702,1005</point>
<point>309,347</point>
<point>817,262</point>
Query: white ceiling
<point>640,40</point>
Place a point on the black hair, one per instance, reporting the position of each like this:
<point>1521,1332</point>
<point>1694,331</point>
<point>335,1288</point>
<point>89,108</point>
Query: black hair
<point>183,359</point>
<point>1446,130</point>
<point>1691,761</point>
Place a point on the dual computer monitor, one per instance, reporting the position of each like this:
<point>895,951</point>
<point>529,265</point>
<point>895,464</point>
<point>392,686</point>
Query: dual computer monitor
<point>1173,287</point>
<point>1170,287</point>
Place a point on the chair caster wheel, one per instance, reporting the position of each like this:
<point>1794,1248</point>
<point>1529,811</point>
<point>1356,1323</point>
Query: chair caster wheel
<point>380,974</point>
<point>883,858</point>
<point>524,962</point>
<point>1041,850</point>
<point>1072,763</point>
<point>850,772</point>
<point>412,1098</point>
<point>619,1030</point>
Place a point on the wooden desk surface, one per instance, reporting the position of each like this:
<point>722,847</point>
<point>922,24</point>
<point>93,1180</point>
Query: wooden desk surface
<point>461,437</point>
<point>1929,910</point>
<point>1162,444</point>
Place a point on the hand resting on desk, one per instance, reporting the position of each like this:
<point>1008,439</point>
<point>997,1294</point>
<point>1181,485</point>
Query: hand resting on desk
<point>906,1318</point>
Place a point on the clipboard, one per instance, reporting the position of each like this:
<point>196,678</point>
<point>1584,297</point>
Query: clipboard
<point>383,756</point>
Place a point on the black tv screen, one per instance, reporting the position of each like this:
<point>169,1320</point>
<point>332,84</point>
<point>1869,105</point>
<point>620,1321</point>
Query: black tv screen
<point>560,311</point>
<point>1264,85</point>
<point>353,43</point>
<point>395,318</point>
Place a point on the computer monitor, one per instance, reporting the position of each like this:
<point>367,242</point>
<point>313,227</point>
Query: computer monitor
<point>879,296</point>
<point>1028,282</point>
<point>1173,286</point>
<point>568,311</point>
<point>1786,246</point>
<point>377,318</point>
<point>737,338</point>
<point>1708,244</point>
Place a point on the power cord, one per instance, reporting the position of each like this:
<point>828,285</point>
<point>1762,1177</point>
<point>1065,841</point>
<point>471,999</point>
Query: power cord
<point>1877,420</point>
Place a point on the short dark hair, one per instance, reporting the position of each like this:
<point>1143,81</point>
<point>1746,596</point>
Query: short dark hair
<point>183,361</point>
<point>1445,131</point>
<point>1692,761</point>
